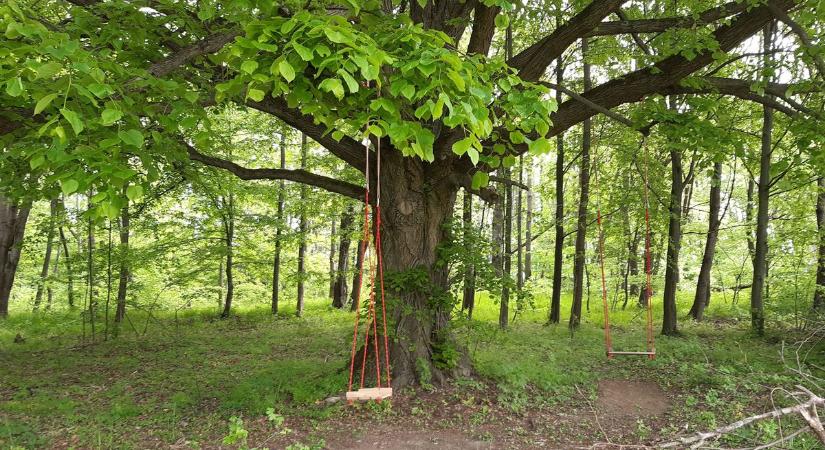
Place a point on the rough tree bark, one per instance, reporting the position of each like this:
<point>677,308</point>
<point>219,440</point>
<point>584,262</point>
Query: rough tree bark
<point>760,254</point>
<point>123,259</point>
<point>302,230</point>
<point>497,230</point>
<point>13,217</point>
<point>558,245</point>
<point>276,262</point>
<point>66,257</point>
<point>47,257</point>
<point>702,297</point>
<point>339,289</point>
<point>819,294</point>
<point>469,294</point>
<point>584,196</point>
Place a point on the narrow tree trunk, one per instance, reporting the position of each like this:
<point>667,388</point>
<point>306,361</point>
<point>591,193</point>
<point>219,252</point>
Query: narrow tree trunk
<point>229,231</point>
<point>302,245</point>
<point>504,309</point>
<point>220,282</point>
<point>276,263</point>
<point>581,228</point>
<point>819,294</point>
<point>469,298</point>
<point>123,258</point>
<point>90,245</point>
<point>558,245</point>
<point>497,229</point>
<point>68,261</point>
<point>528,228</point>
<point>339,291</point>
<point>749,206</point>
<point>332,234</point>
<point>760,255</point>
<point>702,297</point>
<point>357,275</point>
<point>47,258</point>
<point>13,218</point>
<point>519,210</point>
<point>674,243</point>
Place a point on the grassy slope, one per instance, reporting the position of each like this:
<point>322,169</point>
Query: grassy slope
<point>184,378</point>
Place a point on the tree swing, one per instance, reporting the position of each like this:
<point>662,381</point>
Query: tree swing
<point>371,248</point>
<point>651,346</point>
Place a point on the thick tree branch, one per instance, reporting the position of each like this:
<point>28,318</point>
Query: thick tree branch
<point>484,27</point>
<point>348,149</point>
<point>297,175</point>
<point>634,86</point>
<point>533,61</point>
<point>742,89</point>
<point>659,25</point>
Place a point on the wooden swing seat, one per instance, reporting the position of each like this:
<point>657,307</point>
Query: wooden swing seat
<point>651,355</point>
<point>366,394</point>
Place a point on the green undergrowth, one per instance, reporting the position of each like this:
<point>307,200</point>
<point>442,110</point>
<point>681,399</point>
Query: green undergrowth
<point>168,377</point>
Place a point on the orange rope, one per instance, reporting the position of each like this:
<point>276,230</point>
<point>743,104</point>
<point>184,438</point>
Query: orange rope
<point>607,341</point>
<point>651,346</point>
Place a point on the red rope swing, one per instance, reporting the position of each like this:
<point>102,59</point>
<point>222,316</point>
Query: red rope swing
<point>371,254</point>
<point>651,346</point>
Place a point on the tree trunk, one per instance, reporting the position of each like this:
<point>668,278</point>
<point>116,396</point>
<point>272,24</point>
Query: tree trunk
<point>123,258</point>
<point>819,294</point>
<point>581,228</point>
<point>332,234</point>
<point>702,297</point>
<point>13,218</point>
<point>674,243</point>
<point>302,245</point>
<point>749,218</point>
<point>339,291</point>
<point>47,258</point>
<point>760,254</point>
<point>528,228</point>
<point>497,229</point>
<point>357,275</point>
<point>558,245</point>
<point>276,263</point>
<point>519,211</point>
<point>66,256</point>
<point>469,297</point>
<point>504,307</point>
<point>229,231</point>
<point>417,200</point>
<point>90,247</point>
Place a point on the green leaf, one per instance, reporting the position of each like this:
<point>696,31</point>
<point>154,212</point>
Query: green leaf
<point>473,154</point>
<point>69,186</point>
<point>333,85</point>
<point>134,192</point>
<point>14,87</point>
<point>461,147</point>
<point>256,94</point>
<point>131,137</point>
<point>44,103</point>
<point>286,70</point>
<point>539,146</point>
<point>37,161</point>
<point>110,116</point>
<point>73,119</point>
<point>457,79</point>
<point>502,21</point>
<point>48,70</point>
<point>351,83</point>
<point>480,180</point>
<point>303,52</point>
<point>249,66</point>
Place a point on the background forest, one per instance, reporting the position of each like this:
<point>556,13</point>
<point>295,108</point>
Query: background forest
<point>181,253</point>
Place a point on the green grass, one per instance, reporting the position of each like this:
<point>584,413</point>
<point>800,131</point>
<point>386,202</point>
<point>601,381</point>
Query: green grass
<point>188,374</point>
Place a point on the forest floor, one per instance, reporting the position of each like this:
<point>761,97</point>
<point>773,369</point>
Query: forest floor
<point>193,381</point>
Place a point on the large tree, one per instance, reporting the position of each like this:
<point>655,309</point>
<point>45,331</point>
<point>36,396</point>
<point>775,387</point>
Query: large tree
<point>138,77</point>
